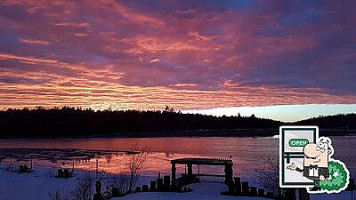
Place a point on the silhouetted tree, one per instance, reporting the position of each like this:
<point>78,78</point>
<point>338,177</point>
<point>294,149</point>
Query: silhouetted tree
<point>69,121</point>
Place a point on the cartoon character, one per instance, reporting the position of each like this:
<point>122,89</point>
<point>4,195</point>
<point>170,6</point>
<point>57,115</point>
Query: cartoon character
<point>321,168</point>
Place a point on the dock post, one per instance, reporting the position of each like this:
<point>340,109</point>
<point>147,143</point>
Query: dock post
<point>190,169</point>
<point>303,194</point>
<point>228,175</point>
<point>159,184</point>
<point>138,189</point>
<point>290,194</point>
<point>351,185</point>
<point>261,192</point>
<point>173,176</point>
<point>145,188</point>
<point>253,191</point>
<point>31,164</point>
<point>97,168</point>
<point>270,195</point>
<point>245,189</point>
<point>237,185</point>
<point>153,186</point>
<point>166,182</point>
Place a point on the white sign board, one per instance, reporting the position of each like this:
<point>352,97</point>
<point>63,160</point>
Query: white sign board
<point>292,140</point>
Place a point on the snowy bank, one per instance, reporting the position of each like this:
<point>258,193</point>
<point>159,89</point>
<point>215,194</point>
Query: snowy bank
<point>38,184</point>
<point>203,191</point>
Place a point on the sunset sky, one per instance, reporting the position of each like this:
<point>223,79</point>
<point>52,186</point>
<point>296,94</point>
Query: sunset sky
<point>190,55</point>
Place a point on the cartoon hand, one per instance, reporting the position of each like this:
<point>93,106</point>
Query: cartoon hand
<point>321,177</point>
<point>292,166</point>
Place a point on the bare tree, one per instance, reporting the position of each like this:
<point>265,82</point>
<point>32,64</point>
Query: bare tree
<point>268,177</point>
<point>135,165</point>
<point>83,190</point>
<point>57,195</point>
<point>121,182</point>
<point>126,181</point>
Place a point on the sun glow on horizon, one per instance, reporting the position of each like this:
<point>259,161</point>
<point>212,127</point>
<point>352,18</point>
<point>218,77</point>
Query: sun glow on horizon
<point>284,113</point>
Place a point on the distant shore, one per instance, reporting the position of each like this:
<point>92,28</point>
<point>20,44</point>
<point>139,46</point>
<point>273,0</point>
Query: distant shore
<point>193,133</point>
<point>70,122</point>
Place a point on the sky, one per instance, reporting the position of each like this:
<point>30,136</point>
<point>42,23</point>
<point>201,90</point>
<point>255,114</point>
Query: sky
<point>190,55</point>
<point>284,113</point>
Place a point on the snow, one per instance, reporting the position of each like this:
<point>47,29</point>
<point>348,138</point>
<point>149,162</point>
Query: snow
<point>31,186</point>
<point>37,185</point>
<point>206,191</point>
<point>346,195</point>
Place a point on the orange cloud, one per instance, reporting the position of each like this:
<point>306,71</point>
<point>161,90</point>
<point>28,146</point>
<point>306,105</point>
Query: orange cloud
<point>27,59</point>
<point>129,55</point>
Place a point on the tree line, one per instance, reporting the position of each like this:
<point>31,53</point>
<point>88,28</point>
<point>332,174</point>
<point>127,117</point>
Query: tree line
<point>70,121</point>
<point>340,121</point>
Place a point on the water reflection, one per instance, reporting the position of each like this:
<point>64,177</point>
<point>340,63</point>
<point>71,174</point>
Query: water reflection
<point>246,153</point>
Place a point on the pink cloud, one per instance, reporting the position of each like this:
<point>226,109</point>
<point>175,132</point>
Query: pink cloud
<point>190,56</point>
<point>34,42</point>
<point>71,24</point>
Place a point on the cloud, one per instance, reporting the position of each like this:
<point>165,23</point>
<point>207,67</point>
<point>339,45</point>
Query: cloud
<point>154,60</point>
<point>34,42</point>
<point>27,59</point>
<point>130,54</point>
<point>71,24</point>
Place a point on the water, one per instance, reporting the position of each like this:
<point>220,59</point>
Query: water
<point>247,153</point>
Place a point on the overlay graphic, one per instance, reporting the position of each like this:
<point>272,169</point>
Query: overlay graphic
<point>306,161</point>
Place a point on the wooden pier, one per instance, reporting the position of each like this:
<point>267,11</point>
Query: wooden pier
<point>190,177</point>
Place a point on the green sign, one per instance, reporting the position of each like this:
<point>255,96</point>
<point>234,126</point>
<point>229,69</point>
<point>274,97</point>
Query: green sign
<point>298,142</point>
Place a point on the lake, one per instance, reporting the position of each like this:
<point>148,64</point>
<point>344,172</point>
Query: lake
<point>247,153</point>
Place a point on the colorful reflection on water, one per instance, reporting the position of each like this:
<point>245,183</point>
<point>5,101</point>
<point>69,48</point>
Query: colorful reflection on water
<point>247,153</point>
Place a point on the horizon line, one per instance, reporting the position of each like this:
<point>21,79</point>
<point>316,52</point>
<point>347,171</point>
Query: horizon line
<point>281,113</point>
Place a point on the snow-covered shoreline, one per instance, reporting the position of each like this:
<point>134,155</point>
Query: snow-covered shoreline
<point>38,184</point>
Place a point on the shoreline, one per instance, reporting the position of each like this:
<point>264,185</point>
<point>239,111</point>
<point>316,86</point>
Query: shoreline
<point>193,133</point>
<point>39,183</point>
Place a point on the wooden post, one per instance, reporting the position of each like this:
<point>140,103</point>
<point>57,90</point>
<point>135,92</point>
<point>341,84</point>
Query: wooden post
<point>270,195</point>
<point>167,182</point>
<point>351,185</point>
<point>253,191</point>
<point>153,186</point>
<point>73,168</point>
<point>303,194</point>
<point>159,184</point>
<point>145,188</point>
<point>97,167</point>
<point>190,169</point>
<point>237,186</point>
<point>290,194</point>
<point>245,189</point>
<point>261,192</point>
<point>231,188</point>
<point>228,175</point>
<point>173,175</point>
<point>228,178</point>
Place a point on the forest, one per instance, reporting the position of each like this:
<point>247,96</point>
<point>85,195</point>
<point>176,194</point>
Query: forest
<point>78,122</point>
